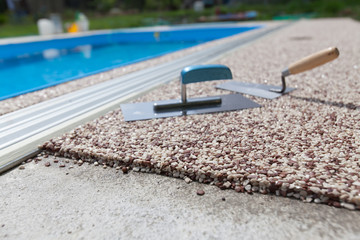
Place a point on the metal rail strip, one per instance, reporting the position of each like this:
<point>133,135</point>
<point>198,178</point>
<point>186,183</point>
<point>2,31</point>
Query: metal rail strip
<point>21,127</point>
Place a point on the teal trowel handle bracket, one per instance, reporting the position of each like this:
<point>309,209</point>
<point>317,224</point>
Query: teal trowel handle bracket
<point>202,73</point>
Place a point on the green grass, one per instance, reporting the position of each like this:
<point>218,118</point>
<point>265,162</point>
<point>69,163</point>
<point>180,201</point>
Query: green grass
<point>146,19</point>
<point>10,30</point>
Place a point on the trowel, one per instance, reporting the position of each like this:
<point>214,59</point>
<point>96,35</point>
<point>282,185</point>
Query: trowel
<point>189,106</point>
<point>270,91</point>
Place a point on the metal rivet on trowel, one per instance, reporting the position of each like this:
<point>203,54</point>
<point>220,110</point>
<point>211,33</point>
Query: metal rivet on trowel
<point>189,106</point>
<point>271,92</point>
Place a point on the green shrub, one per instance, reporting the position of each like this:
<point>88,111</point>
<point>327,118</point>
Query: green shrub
<point>329,8</point>
<point>3,19</point>
<point>333,6</point>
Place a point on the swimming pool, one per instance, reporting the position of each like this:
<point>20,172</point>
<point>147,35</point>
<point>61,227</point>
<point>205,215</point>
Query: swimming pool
<point>30,66</point>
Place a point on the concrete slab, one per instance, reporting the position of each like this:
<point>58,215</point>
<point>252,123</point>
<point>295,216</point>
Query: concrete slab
<point>90,202</point>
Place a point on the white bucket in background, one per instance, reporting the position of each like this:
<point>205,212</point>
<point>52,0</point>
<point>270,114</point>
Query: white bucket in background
<point>45,27</point>
<point>83,23</point>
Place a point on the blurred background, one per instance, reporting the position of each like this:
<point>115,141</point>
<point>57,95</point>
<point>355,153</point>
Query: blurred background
<point>21,17</point>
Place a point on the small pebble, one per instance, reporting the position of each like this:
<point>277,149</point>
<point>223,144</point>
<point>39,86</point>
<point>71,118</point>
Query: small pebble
<point>96,164</point>
<point>62,165</point>
<point>248,187</point>
<point>348,206</point>
<point>227,184</point>
<point>125,170</point>
<point>187,180</point>
<point>200,192</point>
<point>21,167</point>
<point>238,189</point>
<point>224,199</point>
<point>47,164</point>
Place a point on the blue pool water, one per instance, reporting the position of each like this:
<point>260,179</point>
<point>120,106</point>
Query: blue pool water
<point>27,67</point>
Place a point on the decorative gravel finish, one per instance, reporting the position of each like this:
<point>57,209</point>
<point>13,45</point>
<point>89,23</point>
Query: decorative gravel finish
<point>304,145</point>
<point>25,100</point>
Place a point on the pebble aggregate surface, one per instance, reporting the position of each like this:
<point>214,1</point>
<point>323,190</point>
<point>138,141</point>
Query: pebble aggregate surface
<point>304,145</point>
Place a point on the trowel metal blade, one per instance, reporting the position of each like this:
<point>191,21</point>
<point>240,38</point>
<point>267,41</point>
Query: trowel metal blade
<point>254,89</point>
<point>144,111</point>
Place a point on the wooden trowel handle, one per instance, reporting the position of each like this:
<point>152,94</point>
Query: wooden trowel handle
<point>312,61</point>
